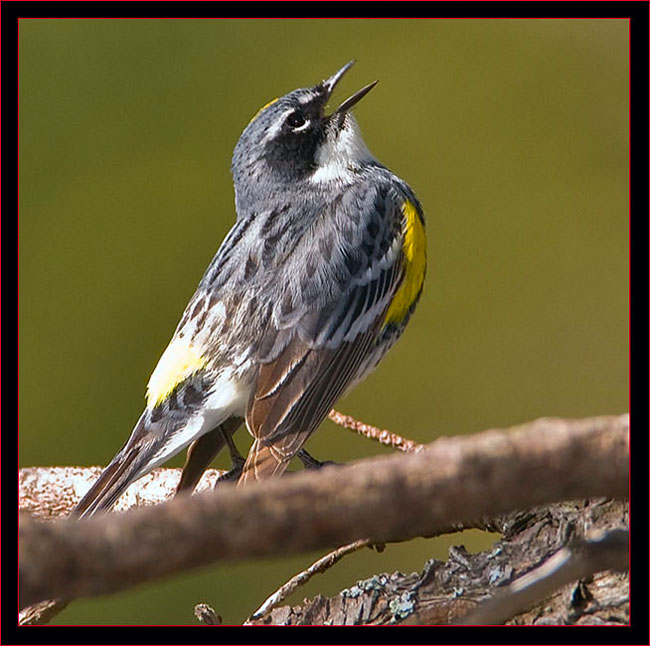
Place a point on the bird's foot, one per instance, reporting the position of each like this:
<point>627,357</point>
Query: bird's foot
<point>234,472</point>
<point>310,462</point>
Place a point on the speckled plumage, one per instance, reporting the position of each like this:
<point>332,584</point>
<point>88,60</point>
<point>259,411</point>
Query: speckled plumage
<point>292,311</point>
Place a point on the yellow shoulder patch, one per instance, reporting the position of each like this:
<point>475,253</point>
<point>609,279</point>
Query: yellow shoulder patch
<point>178,361</point>
<point>266,105</point>
<point>414,247</point>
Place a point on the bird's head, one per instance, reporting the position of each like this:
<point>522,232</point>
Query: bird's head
<point>292,139</point>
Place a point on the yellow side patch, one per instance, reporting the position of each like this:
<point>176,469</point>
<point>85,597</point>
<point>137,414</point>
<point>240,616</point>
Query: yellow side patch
<point>179,361</point>
<point>266,105</point>
<point>414,247</point>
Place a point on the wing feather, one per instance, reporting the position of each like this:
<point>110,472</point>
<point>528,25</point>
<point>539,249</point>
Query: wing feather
<point>330,326</point>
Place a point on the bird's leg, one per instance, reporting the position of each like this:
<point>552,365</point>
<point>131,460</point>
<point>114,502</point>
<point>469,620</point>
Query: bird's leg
<point>236,457</point>
<point>310,462</point>
<point>204,450</point>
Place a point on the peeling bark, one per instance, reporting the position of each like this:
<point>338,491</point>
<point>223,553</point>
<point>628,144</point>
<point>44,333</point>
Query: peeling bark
<point>445,591</point>
<point>423,493</point>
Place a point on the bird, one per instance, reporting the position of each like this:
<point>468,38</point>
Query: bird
<point>313,284</point>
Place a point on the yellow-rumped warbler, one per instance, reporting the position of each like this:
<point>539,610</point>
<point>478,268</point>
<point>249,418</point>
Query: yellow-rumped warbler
<point>312,285</point>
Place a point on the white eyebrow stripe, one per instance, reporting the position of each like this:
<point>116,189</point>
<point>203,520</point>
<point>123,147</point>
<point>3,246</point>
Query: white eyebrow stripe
<point>306,98</point>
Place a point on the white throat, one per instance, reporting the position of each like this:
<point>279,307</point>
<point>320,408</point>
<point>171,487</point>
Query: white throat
<point>338,159</point>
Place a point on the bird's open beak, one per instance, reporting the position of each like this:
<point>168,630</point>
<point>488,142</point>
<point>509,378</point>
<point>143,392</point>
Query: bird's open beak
<point>349,103</point>
<point>330,83</point>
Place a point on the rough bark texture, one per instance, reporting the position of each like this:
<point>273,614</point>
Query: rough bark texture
<point>397,497</point>
<point>445,591</point>
<point>50,493</point>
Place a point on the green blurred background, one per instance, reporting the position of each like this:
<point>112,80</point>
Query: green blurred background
<point>514,134</point>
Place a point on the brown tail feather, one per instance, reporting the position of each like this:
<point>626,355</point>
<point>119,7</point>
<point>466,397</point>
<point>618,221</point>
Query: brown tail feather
<point>114,480</point>
<point>199,455</point>
<point>263,462</point>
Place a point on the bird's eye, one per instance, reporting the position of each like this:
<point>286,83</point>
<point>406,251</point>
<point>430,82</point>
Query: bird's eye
<point>295,120</point>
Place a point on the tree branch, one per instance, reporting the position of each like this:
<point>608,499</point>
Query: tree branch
<point>48,493</point>
<point>318,567</point>
<point>471,588</point>
<point>606,550</point>
<point>383,436</point>
<point>401,496</point>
